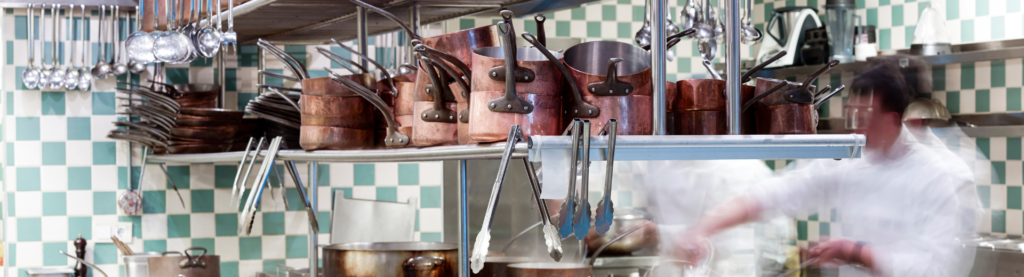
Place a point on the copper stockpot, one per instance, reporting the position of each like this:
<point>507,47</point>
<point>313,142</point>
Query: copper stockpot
<point>550,269</point>
<point>614,77</point>
<point>323,86</point>
<point>334,117</point>
<point>337,111</point>
<point>406,85</point>
<point>188,264</point>
<point>706,95</point>
<point>391,259</point>
<point>792,118</point>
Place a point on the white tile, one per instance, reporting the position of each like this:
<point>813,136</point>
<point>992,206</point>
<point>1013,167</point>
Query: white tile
<point>53,128</point>
<point>297,223</point>
<point>202,225</point>
<point>323,198</point>
<point>104,177</point>
<point>985,224</point>
<point>997,7</point>
<point>272,246</point>
<point>1014,20</point>
<point>578,29</point>
<point>813,231</point>
<point>30,254</point>
<point>407,192</point>
<point>997,148</point>
<point>201,176</point>
<point>431,220</point>
<point>1013,173</point>
<point>385,174</point>
<point>967,101</point>
<point>79,203</point>
<point>154,179</point>
<point>28,204</point>
<point>899,38</point>
<point>953,30</point>
<point>593,12</point>
<point>174,205</point>
<point>55,228</point>
<point>53,178</point>
<point>100,125</point>
<point>29,103</point>
<point>364,192</point>
<point>998,197</point>
<point>910,14</point>
<point>227,248</point>
<point>223,196</point>
<point>1014,222</point>
<point>12,231</point>
<point>154,226</point>
<point>257,225</point>
<point>178,244</point>
<point>249,267</point>
<point>28,153</point>
<point>1013,71</point>
<point>967,9</point>
<point>79,152</point>
<point>997,99</point>
<point>953,77</point>
<point>982,29</point>
<point>78,103</point>
<point>885,17</point>
<point>982,166</point>
<point>431,173</point>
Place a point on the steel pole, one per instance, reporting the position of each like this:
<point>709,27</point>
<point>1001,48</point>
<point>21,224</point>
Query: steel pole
<point>463,223</point>
<point>414,23</point>
<point>361,33</point>
<point>221,79</point>
<point>261,64</point>
<point>658,65</point>
<point>732,66</point>
<point>314,263</point>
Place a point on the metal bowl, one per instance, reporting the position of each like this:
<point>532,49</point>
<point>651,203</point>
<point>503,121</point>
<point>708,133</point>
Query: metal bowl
<point>623,221</point>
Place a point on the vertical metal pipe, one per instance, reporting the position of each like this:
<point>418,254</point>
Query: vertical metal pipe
<point>732,65</point>
<point>221,79</point>
<point>361,34</point>
<point>463,223</point>
<point>313,250</point>
<point>158,75</point>
<point>657,15</point>
<point>414,23</point>
<point>261,64</point>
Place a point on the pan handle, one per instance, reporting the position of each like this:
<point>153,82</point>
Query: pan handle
<point>338,59</point>
<point>438,113</point>
<point>579,107</point>
<point>541,36</point>
<point>750,73</point>
<point>763,95</point>
<point>394,138</point>
<point>510,103</point>
<point>383,70</point>
<point>464,80</point>
<point>674,39</point>
<point>193,261</point>
<point>284,56</point>
<point>422,266</point>
<point>816,74</point>
<point>823,91</point>
<point>611,85</point>
<point>833,93</point>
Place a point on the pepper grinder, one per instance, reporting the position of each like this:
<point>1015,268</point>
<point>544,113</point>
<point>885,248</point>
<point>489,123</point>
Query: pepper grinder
<point>80,269</point>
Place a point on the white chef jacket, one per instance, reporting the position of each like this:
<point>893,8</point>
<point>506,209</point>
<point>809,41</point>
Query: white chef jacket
<point>904,206</point>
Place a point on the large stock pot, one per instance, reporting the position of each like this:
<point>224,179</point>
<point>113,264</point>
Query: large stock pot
<point>391,259</point>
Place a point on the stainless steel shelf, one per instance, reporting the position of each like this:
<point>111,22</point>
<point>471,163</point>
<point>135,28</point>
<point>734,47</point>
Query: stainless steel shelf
<point>628,148</point>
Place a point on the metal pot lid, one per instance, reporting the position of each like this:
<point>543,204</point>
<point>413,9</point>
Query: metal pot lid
<point>522,53</point>
<point>550,266</point>
<point>510,259</point>
<point>926,109</point>
<point>393,246</point>
<point>592,57</point>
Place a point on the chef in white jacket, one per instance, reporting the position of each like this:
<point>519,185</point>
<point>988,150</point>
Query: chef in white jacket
<point>897,204</point>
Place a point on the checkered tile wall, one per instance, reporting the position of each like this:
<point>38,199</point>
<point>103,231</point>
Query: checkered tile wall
<point>65,175</point>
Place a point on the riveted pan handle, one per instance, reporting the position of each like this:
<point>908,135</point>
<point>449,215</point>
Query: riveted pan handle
<point>498,73</point>
<point>383,70</point>
<point>193,261</point>
<point>763,95</point>
<point>579,107</point>
<point>438,113</point>
<point>750,73</point>
<point>439,58</point>
<point>611,85</point>
<point>510,103</point>
<point>394,138</point>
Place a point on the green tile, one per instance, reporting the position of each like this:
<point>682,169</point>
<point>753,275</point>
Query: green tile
<point>176,75</point>
<point>638,14</point>
<point>579,13</point>
<point>79,178</point>
<point>250,248</point>
<point>409,174</point>
<point>278,81</point>
<point>103,152</point>
<point>1012,6</point>
<point>362,174</point>
<point>157,245</point>
<point>299,51</point>
<point>104,253</point>
<point>999,221</point>
<point>224,176</point>
<point>968,36</point>
<point>244,98</point>
<point>625,198</point>
<point>28,179</point>
<point>122,180</point>
<point>21,27</point>
<point>625,30</point>
<point>984,146</point>
<point>55,203</point>
<point>208,243</point>
<point>248,56</point>
<point>387,194</point>
<point>998,172</point>
<point>981,100</point>
<point>273,223</point>
<point>464,23</point>
<point>227,224</point>
<point>883,2</point>
<point>52,255</point>
<point>1013,99</point>
<point>323,216</point>
<point>323,175</point>
<point>79,128</point>
<point>885,39</point>
<point>872,16</point>
<point>52,102</point>
<point>908,36</point>
<point>1013,195</point>
<point>54,153</point>
<point>593,29</point>
<point>103,103</point>
<point>27,128</point>
<point>430,237</point>
<point>271,265</point>
<point>939,78</point>
<point>155,202</point>
<point>953,101</point>
<point>230,79</point>
<point>608,12</point>
<point>801,230</point>
<point>293,197</point>
<point>80,225</point>
<point>202,201</point>
<point>229,269</point>
<point>179,175</point>
<point>201,62</point>
<point>769,8</point>
<point>897,15</point>
<point>998,27</point>
<point>30,229</point>
<point>1013,148</point>
<point>813,217</point>
<point>981,8</point>
<point>13,248</point>
<point>10,95</point>
<point>296,247</point>
<point>562,28</point>
<point>179,226</point>
<point>998,71</point>
<point>430,197</point>
<point>952,13</point>
<point>104,202</point>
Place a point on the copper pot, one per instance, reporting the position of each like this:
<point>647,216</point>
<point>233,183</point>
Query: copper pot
<point>391,259</point>
<point>403,98</point>
<point>335,138</point>
<point>323,86</point>
<point>792,118</point>
<point>189,264</point>
<point>497,266</point>
<point>392,136</point>
<point>333,116</point>
<point>521,89</point>
<point>434,121</point>
<point>620,88</point>
<point>550,270</point>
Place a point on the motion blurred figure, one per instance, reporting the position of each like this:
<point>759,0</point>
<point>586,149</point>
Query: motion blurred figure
<point>898,204</point>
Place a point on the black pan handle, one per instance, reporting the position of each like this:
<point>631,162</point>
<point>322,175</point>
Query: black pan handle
<point>822,91</point>
<point>438,113</point>
<point>750,73</point>
<point>579,107</point>
<point>510,103</point>
<point>541,36</point>
<point>763,95</point>
<point>440,58</point>
<point>611,85</point>
<point>674,39</point>
<point>816,74</point>
<point>394,138</point>
<point>833,93</point>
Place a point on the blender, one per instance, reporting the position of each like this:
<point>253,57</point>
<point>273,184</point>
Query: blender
<point>840,14</point>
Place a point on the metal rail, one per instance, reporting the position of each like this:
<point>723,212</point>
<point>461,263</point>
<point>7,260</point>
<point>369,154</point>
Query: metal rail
<point>658,66</point>
<point>732,66</point>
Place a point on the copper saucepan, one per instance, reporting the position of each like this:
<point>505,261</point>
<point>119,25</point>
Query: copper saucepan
<point>529,95</point>
<point>333,116</point>
<point>621,88</point>
<point>434,122</point>
<point>457,75</point>
<point>392,138</point>
<point>795,118</point>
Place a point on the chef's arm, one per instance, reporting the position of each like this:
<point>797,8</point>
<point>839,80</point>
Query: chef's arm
<point>739,210</point>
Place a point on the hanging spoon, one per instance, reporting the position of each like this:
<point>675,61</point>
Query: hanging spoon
<point>44,71</point>
<point>210,38</point>
<point>140,38</point>
<point>643,36</point>
<point>102,68</point>
<point>56,73</point>
<point>118,67</point>
<point>84,76</point>
<point>30,77</point>
<point>71,74</point>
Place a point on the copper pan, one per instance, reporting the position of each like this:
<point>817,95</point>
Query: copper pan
<point>435,121</point>
<point>406,85</point>
<point>632,112</point>
<point>534,73</point>
<point>198,148</point>
<point>550,269</point>
<point>763,85</point>
<point>700,123</point>
<point>219,133</point>
<point>392,138</point>
<point>453,70</point>
<point>335,138</point>
<point>628,73</point>
<point>212,112</point>
<point>323,86</point>
<point>792,118</point>
<point>705,95</point>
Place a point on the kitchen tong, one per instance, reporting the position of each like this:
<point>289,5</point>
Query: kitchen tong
<point>605,208</point>
<point>483,238</point>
